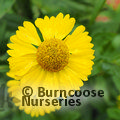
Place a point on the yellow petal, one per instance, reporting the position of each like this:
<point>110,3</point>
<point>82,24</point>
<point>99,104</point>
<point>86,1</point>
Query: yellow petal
<point>21,65</point>
<point>79,39</point>
<point>12,75</point>
<point>82,54</point>
<point>28,33</point>
<point>82,67</point>
<point>20,48</point>
<point>12,83</point>
<point>34,77</point>
<point>38,76</point>
<point>58,27</point>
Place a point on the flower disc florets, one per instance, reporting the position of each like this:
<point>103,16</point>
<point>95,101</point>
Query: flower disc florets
<point>53,55</point>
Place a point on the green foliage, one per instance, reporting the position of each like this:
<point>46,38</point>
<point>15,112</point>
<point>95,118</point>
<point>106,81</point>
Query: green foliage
<point>98,6</point>
<point>114,113</point>
<point>5,6</point>
<point>106,39</point>
<point>68,115</point>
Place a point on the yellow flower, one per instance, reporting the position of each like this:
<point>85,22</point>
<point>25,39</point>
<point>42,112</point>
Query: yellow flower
<point>36,107</point>
<point>61,62</point>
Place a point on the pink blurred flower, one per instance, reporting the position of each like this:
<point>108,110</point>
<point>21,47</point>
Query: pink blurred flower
<point>101,18</point>
<point>113,3</point>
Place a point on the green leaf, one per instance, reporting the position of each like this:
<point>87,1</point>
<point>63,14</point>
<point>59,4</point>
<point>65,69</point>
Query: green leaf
<point>3,78</point>
<point>105,28</point>
<point>5,113</point>
<point>101,84</point>
<point>13,21</point>
<point>101,41</point>
<point>2,81</point>
<point>114,113</point>
<point>98,6</point>
<point>3,57</point>
<point>68,115</point>
<point>72,115</point>
<point>53,7</point>
<point>116,41</point>
<point>24,116</point>
<point>115,72</point>
<point>16,116</point>
<point>4,68</point>
<point>97,67</point>
<point>2,30</point>
<point>2,37</point>
<point>23,8</point>
<point>5,6</point>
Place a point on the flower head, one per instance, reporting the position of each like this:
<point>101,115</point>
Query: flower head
<point>61,61</point>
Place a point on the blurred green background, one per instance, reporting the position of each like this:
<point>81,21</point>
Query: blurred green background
<point>102,20</point>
